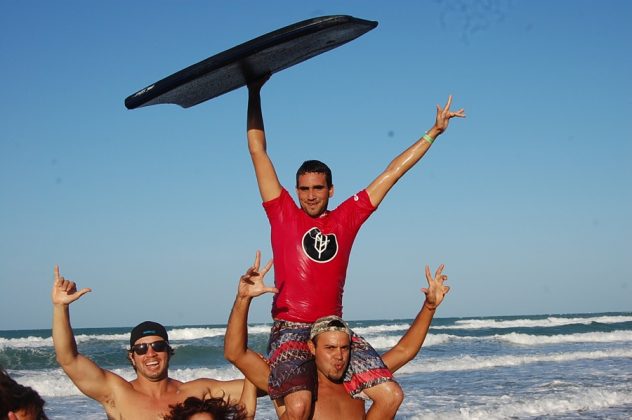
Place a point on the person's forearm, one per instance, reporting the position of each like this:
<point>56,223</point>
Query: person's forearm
<point>399,166</point>
<point>409,157</point>
<point>63,336</point>
<point>236,338</point>
<point>416,334</point>
<point>255,128</point>
<point>409,345</point>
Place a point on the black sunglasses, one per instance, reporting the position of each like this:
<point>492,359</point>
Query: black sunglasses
<point>158,346</point>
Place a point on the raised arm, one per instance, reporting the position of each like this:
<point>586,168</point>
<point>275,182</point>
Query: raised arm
<point>410,344</point>
<point>378,189</point>
<point>86,375</point>
<point>236,348</point>
<point>269,185</point>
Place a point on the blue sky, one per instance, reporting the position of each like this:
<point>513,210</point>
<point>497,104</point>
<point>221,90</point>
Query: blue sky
<point>528,201</point>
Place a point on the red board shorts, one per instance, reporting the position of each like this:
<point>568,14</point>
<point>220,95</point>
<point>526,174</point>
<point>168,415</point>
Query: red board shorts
<point>292,366</point>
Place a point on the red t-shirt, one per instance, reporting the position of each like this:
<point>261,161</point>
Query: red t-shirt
<point>311,255</point>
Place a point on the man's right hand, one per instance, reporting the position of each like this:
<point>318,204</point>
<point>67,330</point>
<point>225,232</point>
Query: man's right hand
<point>251,284</point>
<point>65,291</point>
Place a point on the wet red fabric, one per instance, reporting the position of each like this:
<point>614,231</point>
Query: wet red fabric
<point>311,255</point>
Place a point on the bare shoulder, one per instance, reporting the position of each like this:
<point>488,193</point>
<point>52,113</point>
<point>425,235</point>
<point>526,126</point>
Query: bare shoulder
<point>111,388</point>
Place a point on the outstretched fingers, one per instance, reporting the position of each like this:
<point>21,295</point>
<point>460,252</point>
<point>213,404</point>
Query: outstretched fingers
<point>251,283</point>
<point>439,271</point>
<point>444,114</point>
<point>255,265</point>
<point>436,289</point>
<point>64,290</point>
<point>447,105</point>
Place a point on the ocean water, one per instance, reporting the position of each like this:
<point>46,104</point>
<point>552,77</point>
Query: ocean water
<point>522,367</point>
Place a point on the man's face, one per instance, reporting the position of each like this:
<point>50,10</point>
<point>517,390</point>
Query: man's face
<point>331,353</point>
<point>313,193</point>
<point>152,365</point>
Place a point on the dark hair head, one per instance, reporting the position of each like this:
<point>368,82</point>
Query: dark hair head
<point>145,329</point>
<point>15,397</point>
<point>217,407</point>
<point>315,166</point>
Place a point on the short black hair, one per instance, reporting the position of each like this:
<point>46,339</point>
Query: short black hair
<point>315,166</point>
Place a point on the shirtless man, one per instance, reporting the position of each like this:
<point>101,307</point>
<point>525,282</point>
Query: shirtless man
<point>311,248</point>
<point>330,343</point>
<point>152,392</point>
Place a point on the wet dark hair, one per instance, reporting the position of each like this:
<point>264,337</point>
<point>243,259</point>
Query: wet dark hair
<point>315,166</point>
<point>15,397</point>
<point>217,407</point>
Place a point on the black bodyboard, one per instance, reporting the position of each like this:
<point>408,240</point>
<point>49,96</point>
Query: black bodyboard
<point>263,55</point>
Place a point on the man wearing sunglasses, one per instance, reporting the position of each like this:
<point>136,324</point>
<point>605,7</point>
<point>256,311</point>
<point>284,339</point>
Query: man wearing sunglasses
<point>153,391</point>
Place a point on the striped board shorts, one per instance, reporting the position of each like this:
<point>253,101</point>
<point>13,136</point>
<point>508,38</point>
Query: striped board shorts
<point>292,366</point>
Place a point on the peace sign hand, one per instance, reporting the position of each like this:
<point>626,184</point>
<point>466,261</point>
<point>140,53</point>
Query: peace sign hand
<point>251,284</point>
<point>444,115</point>
<point>436,291</point>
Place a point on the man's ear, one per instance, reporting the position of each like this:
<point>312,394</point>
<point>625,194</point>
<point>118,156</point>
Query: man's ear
<point>312,348</point>
<point>331,191</point>
<point>131,358</point>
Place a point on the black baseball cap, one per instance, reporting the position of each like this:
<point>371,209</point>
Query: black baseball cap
<point>145,329</point>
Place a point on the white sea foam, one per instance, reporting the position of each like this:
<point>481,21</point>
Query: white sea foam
<point>553,321</point>
<point>594,337</point>
<point>377,329</point>
<point>466,362</point>
<point>25,342</point>
<point>84,338</point>
<point>194,333</point>
<point>259,329</point>
<point>580,401</point>
<point>387,342</point>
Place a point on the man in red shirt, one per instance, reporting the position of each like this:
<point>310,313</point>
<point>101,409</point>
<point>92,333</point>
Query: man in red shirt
<point>311,247</point>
